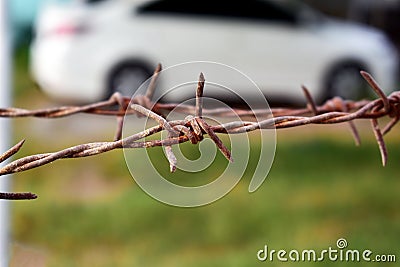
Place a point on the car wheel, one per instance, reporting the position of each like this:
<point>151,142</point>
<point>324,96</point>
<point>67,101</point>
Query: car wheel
<point>346,81</point>
<point>127,78</point>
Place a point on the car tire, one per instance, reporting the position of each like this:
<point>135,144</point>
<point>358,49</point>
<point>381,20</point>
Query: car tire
<point>346,81</point>
<point>127,77</point>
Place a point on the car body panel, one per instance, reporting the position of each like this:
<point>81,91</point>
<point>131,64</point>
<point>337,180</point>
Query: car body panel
<point>279,57</point>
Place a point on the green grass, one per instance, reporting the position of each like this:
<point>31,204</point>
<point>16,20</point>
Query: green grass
<point>317,191</point>
<point>320,188</point>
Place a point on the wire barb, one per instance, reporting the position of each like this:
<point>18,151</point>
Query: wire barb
<point>380,141</point>
<point>153,82</point>
<point>225,151</point>
<point>374,85</point>
<point>199,96</point>
<point>17,196</point>
<point>310,101</point>
<point>12,151</point>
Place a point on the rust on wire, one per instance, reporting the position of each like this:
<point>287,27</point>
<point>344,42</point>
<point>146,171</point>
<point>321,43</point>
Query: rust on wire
<point>194,127</point>
<point>199,96</point>
<point>18,196</point>
<point>11,151</point>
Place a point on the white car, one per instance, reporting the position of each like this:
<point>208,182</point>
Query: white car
<point>85,50</point>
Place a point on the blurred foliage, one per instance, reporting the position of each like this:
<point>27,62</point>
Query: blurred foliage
<point>22,81</point>
<point>317,191</point>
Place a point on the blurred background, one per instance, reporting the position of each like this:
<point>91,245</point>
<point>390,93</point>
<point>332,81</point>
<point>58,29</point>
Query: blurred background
<point>91,213</point>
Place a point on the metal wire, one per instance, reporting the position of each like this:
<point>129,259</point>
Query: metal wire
<point>192,128</point>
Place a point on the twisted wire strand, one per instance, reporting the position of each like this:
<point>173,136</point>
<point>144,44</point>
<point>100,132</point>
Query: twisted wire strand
<point>194,127</point>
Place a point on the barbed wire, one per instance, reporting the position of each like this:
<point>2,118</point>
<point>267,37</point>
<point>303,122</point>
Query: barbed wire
<point>194,127</point>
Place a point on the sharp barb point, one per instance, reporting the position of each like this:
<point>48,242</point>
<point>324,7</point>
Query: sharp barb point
<point>13,150</point>
<point>158,68</point>
<point>153,82</point>
<point>380,141</point>
<point>310,101</point>
<point>378,90</point>
<point>199,96</point>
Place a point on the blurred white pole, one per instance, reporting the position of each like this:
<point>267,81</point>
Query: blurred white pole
<point>5,88</point>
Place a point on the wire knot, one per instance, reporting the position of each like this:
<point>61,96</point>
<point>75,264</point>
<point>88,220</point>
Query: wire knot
<point>337,103</point>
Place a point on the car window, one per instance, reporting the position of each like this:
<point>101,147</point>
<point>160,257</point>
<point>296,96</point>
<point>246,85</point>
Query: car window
<point>249,9</point>
<point>94,1</point>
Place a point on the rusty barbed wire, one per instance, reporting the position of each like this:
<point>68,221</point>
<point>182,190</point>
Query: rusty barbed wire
<point>194,127</point>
